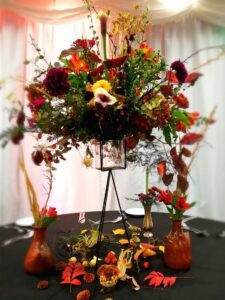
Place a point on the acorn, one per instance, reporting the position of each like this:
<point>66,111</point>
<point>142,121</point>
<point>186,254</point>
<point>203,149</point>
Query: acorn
<point>37,157</point>
<point>73,259</point>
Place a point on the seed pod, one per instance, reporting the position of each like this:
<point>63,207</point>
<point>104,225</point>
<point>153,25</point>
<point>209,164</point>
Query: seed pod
<point>20,118</point>
<point>37,157</point>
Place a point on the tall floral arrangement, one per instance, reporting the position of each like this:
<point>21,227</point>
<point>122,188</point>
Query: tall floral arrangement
<point>129,92</point>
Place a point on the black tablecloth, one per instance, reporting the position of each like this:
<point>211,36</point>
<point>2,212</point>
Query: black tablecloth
<point>206,278</point>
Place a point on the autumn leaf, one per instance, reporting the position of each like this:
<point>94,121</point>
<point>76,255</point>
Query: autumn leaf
<point>161,168</point>
<point>75,282</point>
<point>138,253</point>
<point>148,252</point>
<point>182,183</point>
<point>157,278</point>
<point>191,138</point>
<point>192,78</point>
<point>181,166</point>
<point>119,231</point>
<point>171,77</point>
<point>162,248</point>
<point>167,179</point>
<point>72,271</point>
<point>186,152</point>
<point>156,281</point>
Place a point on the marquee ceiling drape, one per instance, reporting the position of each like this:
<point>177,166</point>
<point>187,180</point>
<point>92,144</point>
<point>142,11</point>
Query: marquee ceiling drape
<point>56,11</point>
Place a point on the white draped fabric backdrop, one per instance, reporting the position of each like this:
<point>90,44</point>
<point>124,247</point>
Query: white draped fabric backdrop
<point>55,25</point>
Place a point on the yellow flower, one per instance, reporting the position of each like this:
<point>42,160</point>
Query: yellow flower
<point>102,84</point>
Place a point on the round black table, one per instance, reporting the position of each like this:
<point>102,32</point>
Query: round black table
<point>206,278</point>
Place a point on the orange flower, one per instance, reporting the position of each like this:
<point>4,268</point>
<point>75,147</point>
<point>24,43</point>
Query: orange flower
<point>79,65</point>
<point>148,51</point>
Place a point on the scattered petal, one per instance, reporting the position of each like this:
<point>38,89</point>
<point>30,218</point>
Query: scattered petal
<point>119,231</point>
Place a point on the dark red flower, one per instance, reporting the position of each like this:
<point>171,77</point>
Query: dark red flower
<point>56,81</point>
<point>180,69</point>
<point>181,101</point>
<point>84,43</point>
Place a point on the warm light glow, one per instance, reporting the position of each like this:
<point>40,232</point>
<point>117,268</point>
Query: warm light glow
<point>179,5</point>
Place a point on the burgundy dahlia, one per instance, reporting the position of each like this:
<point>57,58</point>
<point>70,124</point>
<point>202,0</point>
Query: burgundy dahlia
<point>180,69</point>
<point>56,81</point>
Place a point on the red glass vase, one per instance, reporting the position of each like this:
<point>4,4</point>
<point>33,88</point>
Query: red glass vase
<point>178,252</point>
<point>39,258</point>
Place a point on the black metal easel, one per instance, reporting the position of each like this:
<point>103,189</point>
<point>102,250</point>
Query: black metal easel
<point>110,174</point>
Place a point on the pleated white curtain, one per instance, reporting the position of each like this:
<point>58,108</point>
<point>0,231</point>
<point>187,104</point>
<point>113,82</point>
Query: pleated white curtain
<point>75,187</point>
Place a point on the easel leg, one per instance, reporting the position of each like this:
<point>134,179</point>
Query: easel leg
<point>121,212</point>
<point>102,218</point>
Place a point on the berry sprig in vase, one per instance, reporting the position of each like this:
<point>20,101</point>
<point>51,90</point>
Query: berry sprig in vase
<point>147,200</point>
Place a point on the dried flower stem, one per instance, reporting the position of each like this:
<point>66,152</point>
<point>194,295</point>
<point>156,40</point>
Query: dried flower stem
<point>30,191</point>
<point>222,53</point>
<point>203,49</point>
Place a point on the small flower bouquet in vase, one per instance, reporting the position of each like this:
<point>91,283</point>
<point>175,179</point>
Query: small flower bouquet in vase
<point>39,257</point>
<point>178,253</point>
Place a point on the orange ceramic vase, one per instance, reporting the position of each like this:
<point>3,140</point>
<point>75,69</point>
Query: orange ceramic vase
<point>178,253</point>
<point>39,258</point>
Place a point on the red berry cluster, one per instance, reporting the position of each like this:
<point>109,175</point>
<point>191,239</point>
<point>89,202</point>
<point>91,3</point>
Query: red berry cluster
<point>111,258</point>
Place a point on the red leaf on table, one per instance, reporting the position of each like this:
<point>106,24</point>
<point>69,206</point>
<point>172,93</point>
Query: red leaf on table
<point>77,273</point>
<point>172,280</point>
<point>75,282</point>
<point>153,274</point>
<point>78,270</point>
<point>66,281</point>
<point>157,278</point>
<point>161,168</point>
<point>156,281</point>
<point>192,77</point>
<point>191,138</point>
<point>166,281</point>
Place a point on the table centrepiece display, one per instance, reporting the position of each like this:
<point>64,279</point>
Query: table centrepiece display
<point>112,103</point>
